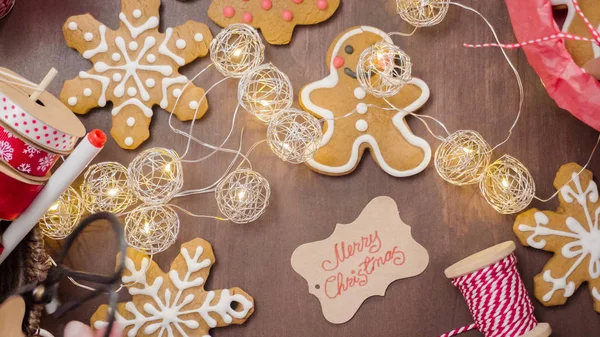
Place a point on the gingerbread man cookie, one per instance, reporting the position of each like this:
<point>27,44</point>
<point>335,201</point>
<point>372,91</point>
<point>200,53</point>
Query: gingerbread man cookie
<point>275,18</point>
<point>572,233</point>
<point>175,304</point>
<point>385,133</point>
<point>135,67</point>
<point>581,51</point>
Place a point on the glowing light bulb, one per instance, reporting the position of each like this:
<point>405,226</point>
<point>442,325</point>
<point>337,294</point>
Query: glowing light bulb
<point>505,183</point>
<point>264,103</point>
<point>467,150</point>
<point>112,192</point>
<point>286,146</point>
<point>147,228</point>
<point>242,195</point>
<point>54,207</point>
<point>168,167</point>
<point>237,52</point>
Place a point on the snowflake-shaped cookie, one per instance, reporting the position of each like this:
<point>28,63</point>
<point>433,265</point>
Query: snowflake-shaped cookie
<point>135,67</point>
<point>572,233</point>
<point>175,304</point>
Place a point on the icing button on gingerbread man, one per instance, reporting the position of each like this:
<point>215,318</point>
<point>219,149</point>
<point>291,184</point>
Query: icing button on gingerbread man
<point>135,67</point>
<point>385,133</point>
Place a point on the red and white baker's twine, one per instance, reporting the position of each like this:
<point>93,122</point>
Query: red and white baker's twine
<point>498,301</point>
<point>556,36</point>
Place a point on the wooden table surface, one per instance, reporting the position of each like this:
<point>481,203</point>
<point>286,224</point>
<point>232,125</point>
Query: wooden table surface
<point>471,89</point>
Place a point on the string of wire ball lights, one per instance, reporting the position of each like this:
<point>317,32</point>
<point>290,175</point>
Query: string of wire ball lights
<point>155,177</point>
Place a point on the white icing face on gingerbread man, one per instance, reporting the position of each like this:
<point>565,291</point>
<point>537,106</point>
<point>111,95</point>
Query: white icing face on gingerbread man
<point>385,133</point>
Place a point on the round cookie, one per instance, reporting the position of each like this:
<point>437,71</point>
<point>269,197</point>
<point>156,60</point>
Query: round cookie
<point>135,67</point>
<point>385,133</point>
<point>275,18</point>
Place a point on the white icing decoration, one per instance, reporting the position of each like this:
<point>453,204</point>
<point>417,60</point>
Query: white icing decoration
<point>72,101</point>
<point>133,101</point>
<point>105,81</point>
<point>87,92</point>
<point>116,57</point>
<point>117,77</point>
<point>72,25</point>
<point>360,93</point>
<point>169,312</point>
<point>137,13</point>
<point>133,45</point>
<point>131,91</point>
<point>88,36</point>
<point>150,83</point>
<point>166,83</point>
<point>583,241</point>
<point>198,37</point>
<point>193,105</point>
<point>151,58</point>
<point>130,121</point>
<point>398,119</point>
<point>152,22</point>
<point>571,13</point>
<point>102,46</point>
<point>362,108</point>
<point>177,92</point>
<point>163,49</point>
<point>361,125</point>
<point>180,43</point>
<point>131,68</point>
<point>128,141</point>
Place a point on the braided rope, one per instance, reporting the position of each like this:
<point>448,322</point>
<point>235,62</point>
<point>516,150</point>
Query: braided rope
<point>35,270</point>
<point>497,300</point>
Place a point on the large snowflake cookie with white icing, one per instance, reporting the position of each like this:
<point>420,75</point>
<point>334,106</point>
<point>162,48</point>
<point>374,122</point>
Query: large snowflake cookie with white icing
<point>175,304</point>
<point>135,67</point>
<point>385,133</point>
<point>572,233</point>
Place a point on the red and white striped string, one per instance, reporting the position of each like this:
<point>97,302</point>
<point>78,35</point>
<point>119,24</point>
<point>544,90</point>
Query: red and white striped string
<point>498,301</point>
<point>591,28</point>
<point>536,41</point>
<point>561,35</point>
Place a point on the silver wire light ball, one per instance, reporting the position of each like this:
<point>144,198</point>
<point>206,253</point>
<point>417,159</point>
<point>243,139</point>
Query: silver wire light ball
<point>151,229</point>
<point>243,196</point>
<point>236,50</point>
<point>507,185</point>
<point>105,189</point>
<point>294,135</point>
<point>462,158</point>
<point>62,217</point>
<point>156,175</point>
<point>264,91</point>
<point>383,69</point>
<point>422,13</point>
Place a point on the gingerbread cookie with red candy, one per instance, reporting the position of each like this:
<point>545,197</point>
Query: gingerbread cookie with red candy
<point>135,67</point>
<point>385,133</point>
<point>275,18</point>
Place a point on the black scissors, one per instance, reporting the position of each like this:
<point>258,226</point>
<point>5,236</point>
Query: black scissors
<point>43,292</point>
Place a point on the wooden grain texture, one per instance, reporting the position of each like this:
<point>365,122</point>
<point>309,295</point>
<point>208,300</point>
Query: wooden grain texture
<point>471,89</point>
